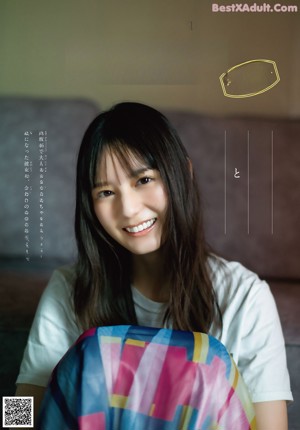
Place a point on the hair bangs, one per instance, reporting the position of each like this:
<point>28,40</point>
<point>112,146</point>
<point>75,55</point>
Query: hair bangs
<point>129,156</point>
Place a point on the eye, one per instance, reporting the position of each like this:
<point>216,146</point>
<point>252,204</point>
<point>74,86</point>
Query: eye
<point>104,194</point>
<point>145,180</point>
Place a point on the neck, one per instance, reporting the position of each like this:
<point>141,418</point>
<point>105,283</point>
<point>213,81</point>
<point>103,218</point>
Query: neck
<point>150,277</point>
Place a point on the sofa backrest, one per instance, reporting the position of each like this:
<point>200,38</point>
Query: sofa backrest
<point>249,175</point>
<point>65,122</point>
<point>248,171</point>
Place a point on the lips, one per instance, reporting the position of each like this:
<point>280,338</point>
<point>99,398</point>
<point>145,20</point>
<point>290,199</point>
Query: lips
<point>141,227</point>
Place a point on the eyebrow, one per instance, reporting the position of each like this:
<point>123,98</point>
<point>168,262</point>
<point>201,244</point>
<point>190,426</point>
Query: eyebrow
<point>132,174</point>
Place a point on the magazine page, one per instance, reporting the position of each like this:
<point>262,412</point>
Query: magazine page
<point>109,218</point>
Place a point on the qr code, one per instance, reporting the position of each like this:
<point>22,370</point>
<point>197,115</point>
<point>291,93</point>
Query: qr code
<point>17,412</point>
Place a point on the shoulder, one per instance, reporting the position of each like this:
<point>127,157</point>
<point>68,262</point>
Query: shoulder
<point>65,275</point>
<point>56,304</point>
<point>60,284</point>
<point>224,272</point>
<point>234,284</point>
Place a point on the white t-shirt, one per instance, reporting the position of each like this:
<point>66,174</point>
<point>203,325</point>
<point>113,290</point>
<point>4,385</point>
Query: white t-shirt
<point>251,329</point>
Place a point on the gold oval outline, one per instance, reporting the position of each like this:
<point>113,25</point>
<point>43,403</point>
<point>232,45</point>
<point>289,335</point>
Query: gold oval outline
<point>240,96</point>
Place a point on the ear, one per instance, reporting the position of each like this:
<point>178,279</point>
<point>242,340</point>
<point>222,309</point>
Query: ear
<point>191,169</point>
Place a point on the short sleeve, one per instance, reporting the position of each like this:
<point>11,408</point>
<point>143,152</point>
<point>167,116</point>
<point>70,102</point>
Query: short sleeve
<point>53,331</point>
<point>262,355</point>
<point>251,330</point>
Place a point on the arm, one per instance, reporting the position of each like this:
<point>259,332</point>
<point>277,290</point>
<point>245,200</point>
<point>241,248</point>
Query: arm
<point>35,391</point>
<point>271,415</point>
<point>256,341</point>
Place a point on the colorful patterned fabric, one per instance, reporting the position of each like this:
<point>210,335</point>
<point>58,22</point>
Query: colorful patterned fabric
<point>138,378</point>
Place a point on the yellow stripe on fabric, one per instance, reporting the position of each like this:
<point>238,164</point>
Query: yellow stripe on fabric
<point>110,339</point>
<point>134,342</point>
<point>241,390</point>
<point>236,378</point>
<point>200,347</point>
<point>197,347</point>
<point>151,410</point>
<point>185,417</point>
<point>253,424</point>
<point>118,401</point>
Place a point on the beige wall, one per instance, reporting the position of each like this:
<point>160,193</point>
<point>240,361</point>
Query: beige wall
<point>168,53</point>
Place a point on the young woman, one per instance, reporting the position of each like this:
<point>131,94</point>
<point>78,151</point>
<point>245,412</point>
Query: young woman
<point>143,260</point>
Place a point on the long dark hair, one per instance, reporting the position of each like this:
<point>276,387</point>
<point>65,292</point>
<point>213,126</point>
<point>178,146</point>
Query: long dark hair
<point>102,291</point>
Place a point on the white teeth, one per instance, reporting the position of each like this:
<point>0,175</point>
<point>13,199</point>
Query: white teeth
<point>141,227</point>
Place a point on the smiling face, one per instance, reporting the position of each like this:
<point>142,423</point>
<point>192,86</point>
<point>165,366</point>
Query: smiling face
<point>130,206</point>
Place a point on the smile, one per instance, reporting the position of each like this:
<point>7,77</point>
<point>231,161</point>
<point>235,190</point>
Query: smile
<point>141,227</point>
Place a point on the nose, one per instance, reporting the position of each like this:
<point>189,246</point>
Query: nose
<point>130,203</point>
